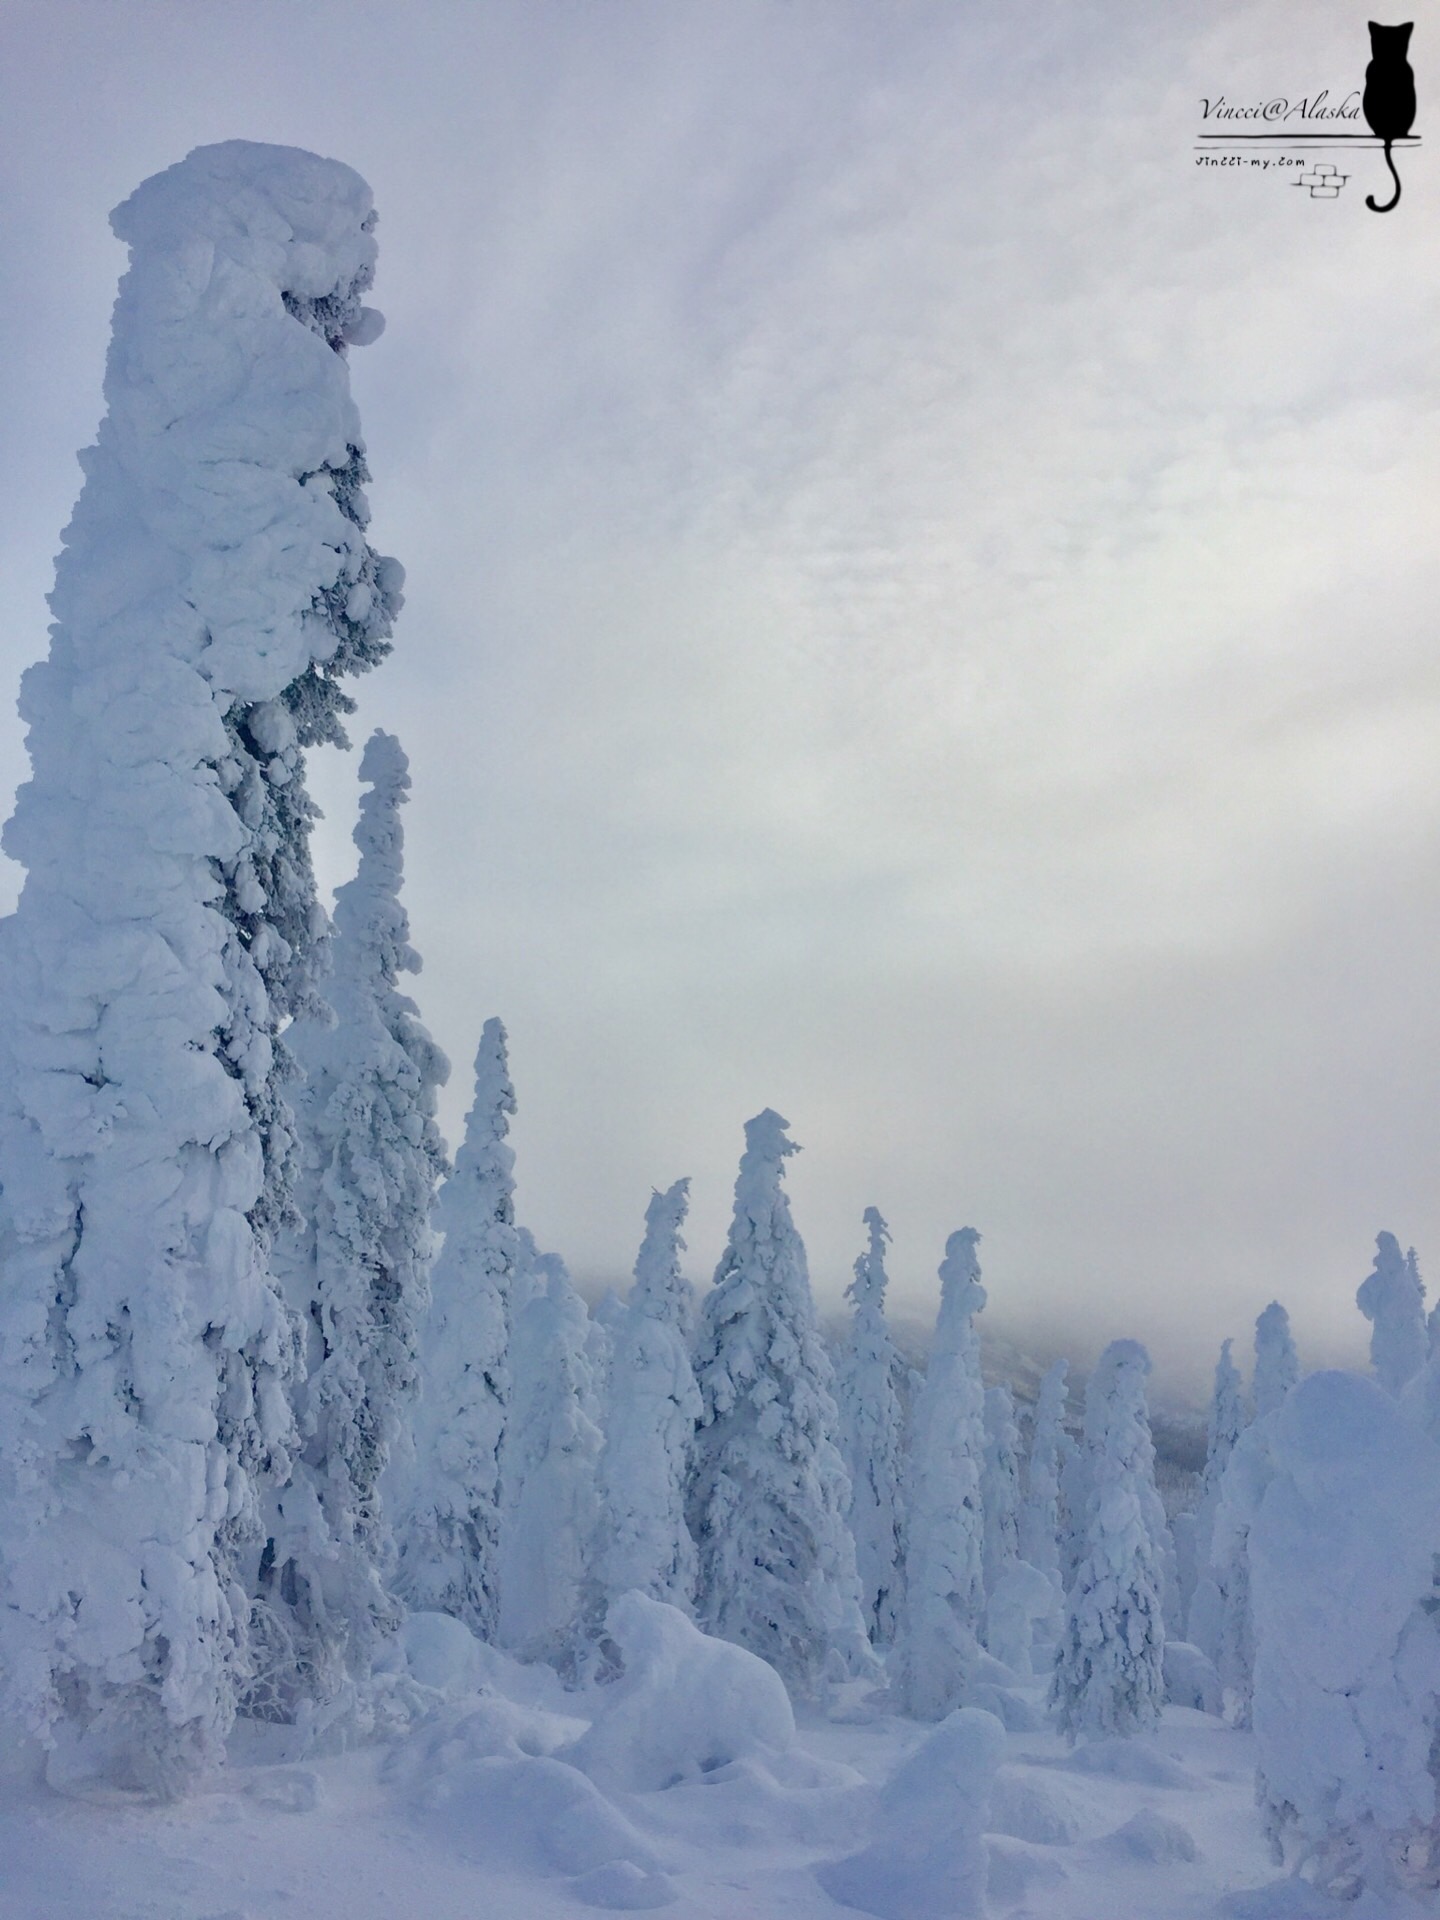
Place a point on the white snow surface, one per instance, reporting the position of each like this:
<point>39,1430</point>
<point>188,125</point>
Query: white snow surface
<point>481,1809</point>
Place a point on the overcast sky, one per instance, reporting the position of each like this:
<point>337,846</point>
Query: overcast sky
<point>921,608</point>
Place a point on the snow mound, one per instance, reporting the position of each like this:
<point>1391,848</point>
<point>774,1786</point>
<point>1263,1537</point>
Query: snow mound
<point>1010,1707</point>
<point>286,1789</point>
<point>928,1857</point>
<point>685,1705</point>
<point>1151,1837</point>
<point>1016,1871</point>
<point>530,1815</point>
<point>1191,1677</point>
<point>1023,1809</point>
<point>1132,1760</point>
<point>442,1653</point>
<point>622,1887</point>
<point>491,1728</point>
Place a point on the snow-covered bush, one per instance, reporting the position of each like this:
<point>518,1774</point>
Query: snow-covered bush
<point>938,1647</point>
<point>768,1489</point>
<point>215,586</point>
<point>653,1405</point>
<point>870,1390</point>
<point>1392,1299</point>
<point>685,1705</point>
<point>1345,1581</point>
<point>1109,1672</point>
<point>357,1267</point>
<point>552,1446</point>
<point>927,1859</point>
<point>449,1533</point>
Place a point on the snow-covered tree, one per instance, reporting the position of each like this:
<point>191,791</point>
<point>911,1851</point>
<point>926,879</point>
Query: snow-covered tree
<point>871,1386</point>
<point>1277,1365</point>
<point>1000,1486</point>
<point>1050,1446</point>
<point>1109,1672</point>
<point>1392,1299</point>
<point>1226,1419</point>
<point>215,587</point>
<point>1226,1423</point>
<point>653,1405</point>
<point>450,1530</point>
<point>1345,1551</point>
<point>549,1460</point>
<point>357,1267</point>
<point>938,1646</point>
<point>768,1490</point>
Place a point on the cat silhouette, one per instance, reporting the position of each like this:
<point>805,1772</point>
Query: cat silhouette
<point>1389,99</point>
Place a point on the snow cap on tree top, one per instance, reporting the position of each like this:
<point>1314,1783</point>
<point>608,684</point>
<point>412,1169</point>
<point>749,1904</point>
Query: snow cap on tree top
<point>869,1281</point>
<point>757,1185</point>
<point>367,907</point>
<point>657,1276</point>
<point>1123,1357</point>
<point>960,1271</point>
<point>303,222</point>
<point>384,766</point>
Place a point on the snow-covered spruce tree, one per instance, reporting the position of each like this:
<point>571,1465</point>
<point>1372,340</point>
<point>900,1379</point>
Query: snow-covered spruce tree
<point>1205,1613</point>
<point>356,1269</point>
<point>216,584</point>
<point>549,1460</point>
<point>1277,1365</point>
<point>1000,1486</point>
<point>768,1489</point>
<point>938,1647</point>
<point>1345,1548</point>
<point>449,1533</point>
<point>870,1389</point>
<point>653,1405</point>
<point>1226,1420</point>
<point>1050,1445</point>
<point>1109,1671</point>
<point>1392,1299</point>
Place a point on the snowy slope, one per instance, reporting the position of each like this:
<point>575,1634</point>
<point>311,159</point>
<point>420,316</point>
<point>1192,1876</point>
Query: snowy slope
<point>469,1815</point>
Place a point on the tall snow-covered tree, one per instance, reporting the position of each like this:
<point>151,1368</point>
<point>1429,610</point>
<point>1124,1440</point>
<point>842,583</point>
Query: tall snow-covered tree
<point>1205,1614</point>
<point>1226,1419</point>
<point>1000,1486</point>
<point>1050,1445</point>
<point>215,587</point>
<point>653,1406</point>
<point>768,1490</point>
<point>1392,1299</point>
<point>1277,1365</point>
<point>1345,1545</point>
<point>549,1460</point>
<point>1109,1672</point>
<point>938,1647</point>
<point>450,1531</point>
<point>357,1267</point>
<point>871,1385</point>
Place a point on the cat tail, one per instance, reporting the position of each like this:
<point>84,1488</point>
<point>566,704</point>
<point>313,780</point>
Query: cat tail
<point>1394,200</point>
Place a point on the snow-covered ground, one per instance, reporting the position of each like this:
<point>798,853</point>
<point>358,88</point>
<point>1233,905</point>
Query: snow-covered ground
<point>468,1816</point>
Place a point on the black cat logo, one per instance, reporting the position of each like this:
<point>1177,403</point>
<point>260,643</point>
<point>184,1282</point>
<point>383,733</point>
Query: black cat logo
<point>1389,101</point>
